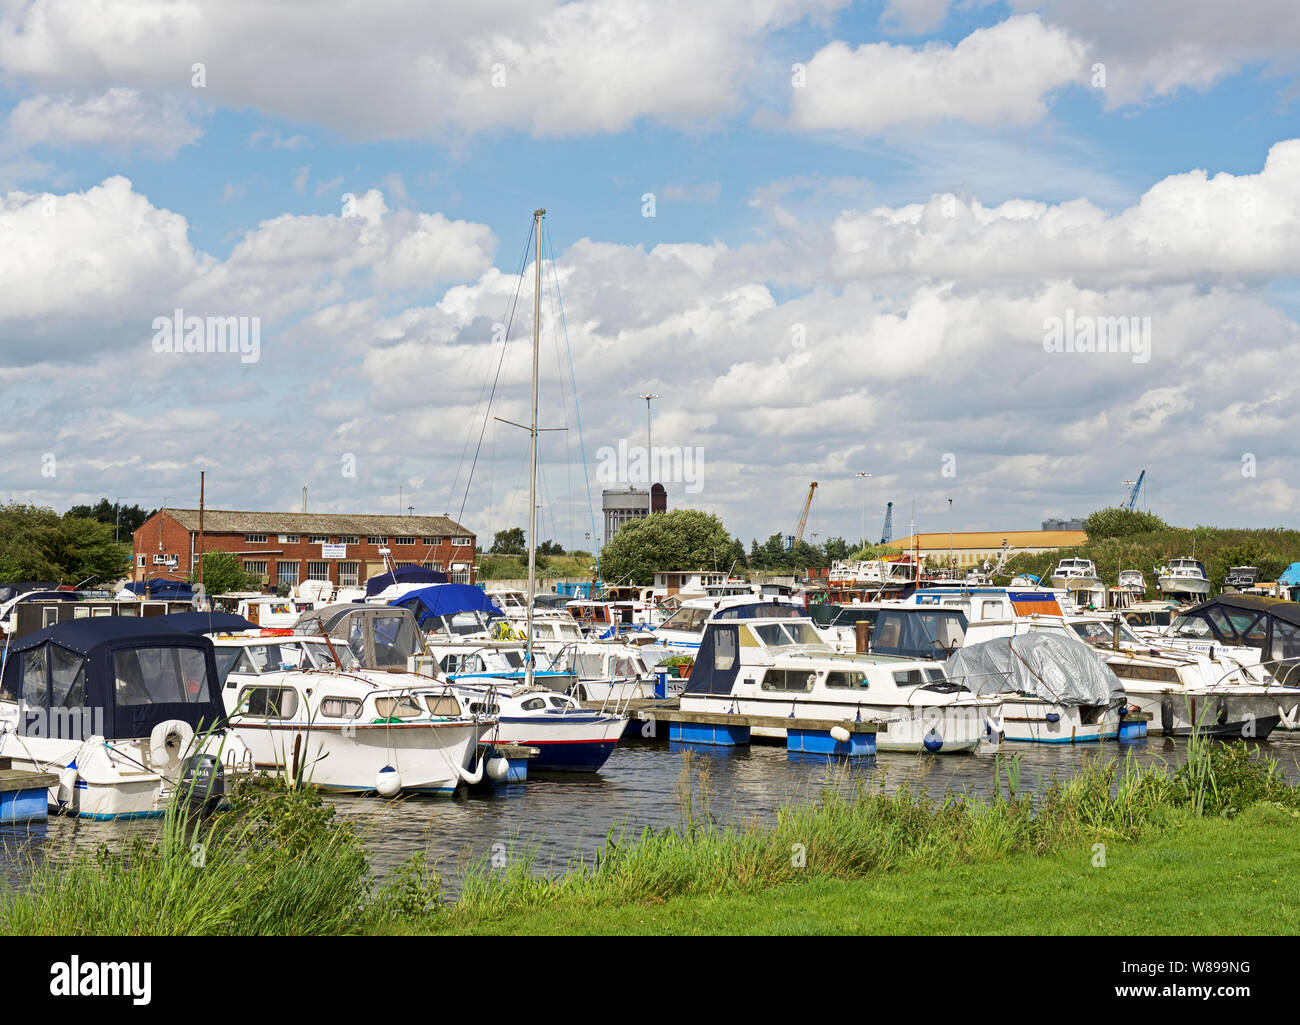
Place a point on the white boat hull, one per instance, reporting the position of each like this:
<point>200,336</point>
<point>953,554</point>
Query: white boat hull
<point>1031,721</point>
<point>430,757</point>
<point>954,728</point>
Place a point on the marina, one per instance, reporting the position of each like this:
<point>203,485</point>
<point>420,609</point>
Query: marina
<point>596,467</point>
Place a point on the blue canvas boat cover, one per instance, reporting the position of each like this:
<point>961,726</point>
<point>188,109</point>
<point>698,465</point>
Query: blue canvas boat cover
<point>133,672</point>
<point>405,575</point>
<point>1291,575</point>
<point>164,589</point>
<point>206,622</point>
<point>445,600</point>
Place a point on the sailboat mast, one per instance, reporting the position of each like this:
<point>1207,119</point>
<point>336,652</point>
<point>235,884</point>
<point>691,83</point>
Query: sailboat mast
<point>532,454</point>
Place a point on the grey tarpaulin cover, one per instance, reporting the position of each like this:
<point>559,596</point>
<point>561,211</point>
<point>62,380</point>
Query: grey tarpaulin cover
<point>1043,665</point>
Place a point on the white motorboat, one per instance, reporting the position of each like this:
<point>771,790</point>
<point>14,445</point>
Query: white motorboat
<point>1184,578</point>
<point>766,658</point>
<point>1076,575</point>
<point>1133,581</point>
<point>304,704</point>
<point>605,671</point>
<point>1220,692</point>
<point>125,710</point>
<point>1078,707</point>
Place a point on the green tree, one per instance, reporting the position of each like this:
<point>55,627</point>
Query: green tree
<point>1120,522</point>
<point>223,574</point>
<point>510,542</point>
<point>682,539</point>
<point>37,544</point>
<point>836,548</point>
<point>126,518</point>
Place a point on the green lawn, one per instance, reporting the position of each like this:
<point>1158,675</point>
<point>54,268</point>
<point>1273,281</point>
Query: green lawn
<point>1208,876</point>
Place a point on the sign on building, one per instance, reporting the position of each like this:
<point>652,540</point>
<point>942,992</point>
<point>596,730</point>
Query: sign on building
<point>333,551</point>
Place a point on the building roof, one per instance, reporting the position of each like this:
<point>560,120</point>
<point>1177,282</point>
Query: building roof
<point>990,539</point>
<point>232,521</point>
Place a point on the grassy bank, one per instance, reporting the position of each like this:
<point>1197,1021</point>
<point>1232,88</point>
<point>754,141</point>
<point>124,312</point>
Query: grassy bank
<point>1196,876</point>
<point>279,862</point>
<point>1219,548</point>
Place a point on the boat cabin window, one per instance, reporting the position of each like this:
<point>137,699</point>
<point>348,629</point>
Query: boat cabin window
<point>340,708</point>
<point>781,634</point>
<point>917,677</point>
<point>533,705</point>
<point>559,702</point>
<point>789,680</point>
<point>1286,640</point>
<point>146,676</point>
<point>397,708</point>
<point>479,708</point>
<point>724,649</point>
<point>67,679</point>
<point>838,680</point>
<point>1248,627</point>
<point>687,619</point>
<point>588,665</point>
<point>1192,626</point>
<point>268,702</point>
<point>462,664</point>
<point>446,705</point>
<point>993,610</point>
<point>628,667</point>
<point>1103,634</point>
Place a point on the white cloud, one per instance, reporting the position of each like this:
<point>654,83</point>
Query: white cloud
<point>399,70</point>
<point>1158,47</point>
<point>1187,226</point>
<point>119,117</point>
<point>998,75</point>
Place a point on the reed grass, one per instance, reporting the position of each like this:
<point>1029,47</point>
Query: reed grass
<point>278,862</point>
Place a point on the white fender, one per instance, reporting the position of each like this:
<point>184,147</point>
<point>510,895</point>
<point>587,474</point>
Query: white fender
<point>994,725</point>
<point>68,783</point>
<point>163,756</point>
<point>841,734</point>
<point>498,767</point>
<point>388,781</point>
<point>472,777</point>
<point>1288,719</point>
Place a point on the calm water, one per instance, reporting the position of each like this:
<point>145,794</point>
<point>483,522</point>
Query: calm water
<point>564,817</point>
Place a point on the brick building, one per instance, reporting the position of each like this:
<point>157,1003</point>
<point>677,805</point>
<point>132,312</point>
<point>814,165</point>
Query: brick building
<point>288,548</point>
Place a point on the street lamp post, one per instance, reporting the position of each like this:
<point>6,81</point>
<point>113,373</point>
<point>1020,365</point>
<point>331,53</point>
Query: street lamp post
<point>649,456</point>
<point>950,566</point>
<point>864,475</point>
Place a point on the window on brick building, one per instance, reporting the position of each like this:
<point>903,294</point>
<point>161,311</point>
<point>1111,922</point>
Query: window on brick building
<point>255,539</point>
<point>403,540</point>
<point>349,574</point>
<point>286,573</point>
<point>318,539</point>
<point>375,540</point>
<point>289,539</point>
<point>256,567</point>
<point>318,571</point>
<point>431,540</point>
<point>349,539</point>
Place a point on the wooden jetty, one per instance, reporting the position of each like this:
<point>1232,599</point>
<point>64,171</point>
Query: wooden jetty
<point>23,794</point>
<point>804,735</point>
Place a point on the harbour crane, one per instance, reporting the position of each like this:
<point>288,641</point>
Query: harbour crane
<point>1133,495</point>
<point>887,534</point>
<point>803,517</point>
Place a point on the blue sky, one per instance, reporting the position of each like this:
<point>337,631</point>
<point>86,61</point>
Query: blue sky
<point>775,208</point>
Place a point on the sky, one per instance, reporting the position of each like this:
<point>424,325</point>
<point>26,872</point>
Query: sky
<point>1007,254</point>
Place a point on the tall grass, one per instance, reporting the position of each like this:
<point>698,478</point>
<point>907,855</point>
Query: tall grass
<point>277,862</point>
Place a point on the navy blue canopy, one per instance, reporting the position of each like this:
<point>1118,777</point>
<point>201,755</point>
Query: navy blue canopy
<point>445,600</point>
<point>405,575</point>
<point>13,589</point>
<point>206,622</point>
<point>125,674</point>
<point>167,590</point>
